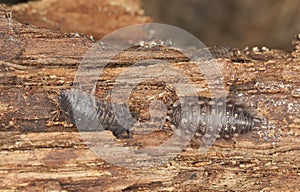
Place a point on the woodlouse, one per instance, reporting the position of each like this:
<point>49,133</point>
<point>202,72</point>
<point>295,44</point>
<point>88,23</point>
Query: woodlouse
<point>231,117</point>
<point>223,52</point>
<point>88,113</point>
<point>92,114</point>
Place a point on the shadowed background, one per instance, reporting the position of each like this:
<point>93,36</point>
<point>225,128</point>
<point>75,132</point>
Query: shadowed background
<point>235,23</point>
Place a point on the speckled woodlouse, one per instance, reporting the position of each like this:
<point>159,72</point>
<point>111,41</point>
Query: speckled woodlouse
<point>236,118</point>
<point>87,112</point>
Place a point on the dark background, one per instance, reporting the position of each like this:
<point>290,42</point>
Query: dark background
<point>236,23</point>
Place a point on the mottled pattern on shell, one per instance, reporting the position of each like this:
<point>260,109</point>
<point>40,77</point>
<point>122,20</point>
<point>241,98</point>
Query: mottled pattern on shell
<point>88,113</point>
<point>233,118</point>
<point>218,52</point>
<point>226,52</point>
<point>92,114</point>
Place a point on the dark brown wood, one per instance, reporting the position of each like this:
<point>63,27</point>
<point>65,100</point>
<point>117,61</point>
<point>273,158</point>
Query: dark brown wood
<point>41,150</point>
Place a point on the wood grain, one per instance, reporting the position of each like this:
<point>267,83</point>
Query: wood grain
<point>40,150</point>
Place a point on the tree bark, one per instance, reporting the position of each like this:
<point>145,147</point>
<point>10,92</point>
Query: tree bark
<point>41,150</point>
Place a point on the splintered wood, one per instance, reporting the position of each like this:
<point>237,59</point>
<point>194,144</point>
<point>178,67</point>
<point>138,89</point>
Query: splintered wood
<point>41,150</point>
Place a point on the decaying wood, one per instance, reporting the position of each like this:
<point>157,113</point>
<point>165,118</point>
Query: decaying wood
<point>40,150</point>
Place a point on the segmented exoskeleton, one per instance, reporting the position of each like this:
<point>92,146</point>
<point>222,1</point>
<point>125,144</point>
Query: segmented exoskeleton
<point>224,114</point>
<point>220,117</point>
<point>89,113</point>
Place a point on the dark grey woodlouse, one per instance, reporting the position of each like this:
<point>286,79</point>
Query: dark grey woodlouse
<point>224,52</point>
<point>232,118</point>
<point>92,114</point>
<point>88,113</point>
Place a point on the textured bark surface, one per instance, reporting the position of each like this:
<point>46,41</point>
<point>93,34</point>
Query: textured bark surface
<point>90,17</point>
<point>40,150</point>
